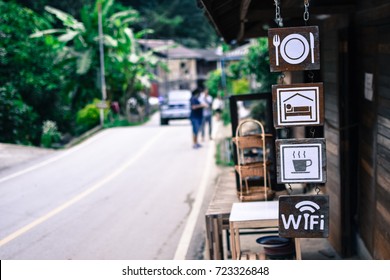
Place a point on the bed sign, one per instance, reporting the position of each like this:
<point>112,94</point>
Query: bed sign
<point>294,48</point>
<point>298,105</point>
<point>301,160</point>
<point>304,216</point>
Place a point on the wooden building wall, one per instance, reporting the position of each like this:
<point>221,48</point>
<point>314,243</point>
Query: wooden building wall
<point>330,76</point>
<point>372,30</point>
<point>355,46</point>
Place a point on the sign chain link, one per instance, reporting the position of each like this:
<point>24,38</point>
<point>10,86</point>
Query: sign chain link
<point>281,78</point>
<point>312,132</point>
<point>290,189</point>
<point>310,75</point>
<point>278,17</point>
<point>306,14</point>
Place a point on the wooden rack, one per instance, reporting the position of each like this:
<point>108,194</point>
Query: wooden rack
<point>249,169</point>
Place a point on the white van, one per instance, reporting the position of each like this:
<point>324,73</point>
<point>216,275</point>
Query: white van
<point>176,107</point>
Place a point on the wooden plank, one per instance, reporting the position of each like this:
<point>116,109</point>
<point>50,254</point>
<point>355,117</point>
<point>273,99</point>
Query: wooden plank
<point>382,231</point>
<point>383,157</point>
<point>294,48</point>
<point>332,148</point>
<point>383,121</point>
<point>383,179</point>
<point>384,131</point>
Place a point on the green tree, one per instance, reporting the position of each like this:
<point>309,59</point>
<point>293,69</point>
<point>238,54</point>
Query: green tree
<point>180,20</point>
<point>128,70</point>
<point>31,84</point>
<point>72,6</point>
<point>255,64</point>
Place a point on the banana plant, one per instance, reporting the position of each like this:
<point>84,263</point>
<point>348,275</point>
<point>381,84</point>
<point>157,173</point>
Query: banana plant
<point>127,67</point>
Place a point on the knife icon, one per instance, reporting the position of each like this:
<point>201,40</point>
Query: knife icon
<point>312,47</point>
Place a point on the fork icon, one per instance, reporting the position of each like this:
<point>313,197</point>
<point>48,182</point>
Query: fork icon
<point>276,43</point>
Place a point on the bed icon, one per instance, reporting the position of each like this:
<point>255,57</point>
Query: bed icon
<point>300,109</point>
<point>298,104</point>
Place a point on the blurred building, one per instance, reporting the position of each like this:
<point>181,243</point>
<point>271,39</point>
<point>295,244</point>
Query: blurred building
<point>187,67</point>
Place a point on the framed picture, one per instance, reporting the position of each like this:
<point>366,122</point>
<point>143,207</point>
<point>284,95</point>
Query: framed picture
<point>256,106</point>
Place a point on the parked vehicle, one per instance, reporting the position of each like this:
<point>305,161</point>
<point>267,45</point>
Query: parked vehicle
<point>176,106</point>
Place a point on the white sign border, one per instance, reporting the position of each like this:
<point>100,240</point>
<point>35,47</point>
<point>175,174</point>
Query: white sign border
<point>279,91</point>
<point>282,169</point>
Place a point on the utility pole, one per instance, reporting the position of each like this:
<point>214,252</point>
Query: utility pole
<point>102,77</point>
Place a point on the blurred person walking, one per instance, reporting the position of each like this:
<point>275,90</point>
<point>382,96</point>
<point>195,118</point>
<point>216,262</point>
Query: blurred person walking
<point>207,100</point>
<point>196,116</point>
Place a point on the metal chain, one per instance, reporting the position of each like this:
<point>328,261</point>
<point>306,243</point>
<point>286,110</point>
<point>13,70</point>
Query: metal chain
<point>306,14</point>
<point>317,189</point>
<point>290,190</point>
<point>281,78</point>
<point>312,132</point>
<point>310,75</point>
<point>278,17</point>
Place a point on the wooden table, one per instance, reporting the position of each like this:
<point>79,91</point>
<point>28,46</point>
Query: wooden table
<point>250,215</point>
<point>217,215</point>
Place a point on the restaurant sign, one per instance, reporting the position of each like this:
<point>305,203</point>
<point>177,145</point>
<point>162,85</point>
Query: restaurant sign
<point>304,216</point>
<point>301,160</point>
<point>298,104</point>
<point>294,48</point>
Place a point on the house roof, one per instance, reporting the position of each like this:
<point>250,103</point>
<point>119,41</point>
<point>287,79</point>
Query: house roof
<point>240,20</point>
<point>173,50</point>
<point>238,53</point>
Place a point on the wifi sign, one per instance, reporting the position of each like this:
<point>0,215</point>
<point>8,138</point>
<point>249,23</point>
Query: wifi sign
<point>304,216</point>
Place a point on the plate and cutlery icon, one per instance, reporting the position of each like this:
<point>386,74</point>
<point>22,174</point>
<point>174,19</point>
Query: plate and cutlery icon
<point>294,48</point>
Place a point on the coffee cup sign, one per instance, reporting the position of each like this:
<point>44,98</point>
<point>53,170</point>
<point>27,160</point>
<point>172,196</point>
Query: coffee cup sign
<point>301,160</point>
<point>300,165</point>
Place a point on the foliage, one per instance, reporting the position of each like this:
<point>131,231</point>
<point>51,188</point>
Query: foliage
<point>255,64</point>
<point>89,116</point>
<point>118,121</point>
<point>28,75</point>
<point>180,20</point>
<point>169,19</point>
<point>240,86</point>
<point>18,121</point>
<point>223,154</point>
<point>72,6</point>
<point>128,70</point>
<point>50,134</point>
<point>214,83</point>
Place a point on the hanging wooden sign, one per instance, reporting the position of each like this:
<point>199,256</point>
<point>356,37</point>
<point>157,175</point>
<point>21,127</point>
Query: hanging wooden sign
<point>301,160</point>
<point>304,216</point>
<point>298,104</point>
<point>294,48</point>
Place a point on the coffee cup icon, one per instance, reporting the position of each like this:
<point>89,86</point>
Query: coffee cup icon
<point>300,165</point>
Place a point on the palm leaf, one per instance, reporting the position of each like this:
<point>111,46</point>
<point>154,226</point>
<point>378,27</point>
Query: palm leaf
<point>46,32</point>
<point>109,41</point>
<point>84,62</point>
<point>66,19</point>
<point>122,14</point>
<point>142,33</point>
<point>68,36</point>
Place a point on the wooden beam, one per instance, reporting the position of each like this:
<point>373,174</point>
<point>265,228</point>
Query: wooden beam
<point>243,13</point>
<point>260,14</point>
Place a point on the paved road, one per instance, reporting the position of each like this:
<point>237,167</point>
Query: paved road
<point>126,193</point>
